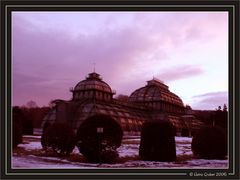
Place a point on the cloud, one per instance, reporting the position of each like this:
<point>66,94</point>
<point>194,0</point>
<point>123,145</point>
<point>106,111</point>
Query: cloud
<point>48,59</point>
<point>177,28</point>
<point>168,75</point>
<point>210,100</point>
<point>55,55</point>
<point>180,72</point>
<point>36,88</point>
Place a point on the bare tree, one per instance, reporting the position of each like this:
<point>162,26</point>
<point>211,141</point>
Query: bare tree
<point>31,104</point>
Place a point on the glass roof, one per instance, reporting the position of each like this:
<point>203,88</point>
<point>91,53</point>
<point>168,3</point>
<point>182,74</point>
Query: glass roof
<point>154,92</point>
<point>93,82</point>
<point>129,118</point>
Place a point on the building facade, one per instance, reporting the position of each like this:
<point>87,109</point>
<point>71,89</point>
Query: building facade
<point>153,102</point>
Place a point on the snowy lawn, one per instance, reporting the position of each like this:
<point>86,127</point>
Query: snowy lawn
<point>29,154</point>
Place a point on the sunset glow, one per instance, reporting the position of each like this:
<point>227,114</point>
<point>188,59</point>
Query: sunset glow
<point>188,51</point>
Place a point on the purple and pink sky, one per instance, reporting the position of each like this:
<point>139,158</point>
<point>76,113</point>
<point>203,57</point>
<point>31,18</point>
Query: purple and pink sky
<point>53,51</point>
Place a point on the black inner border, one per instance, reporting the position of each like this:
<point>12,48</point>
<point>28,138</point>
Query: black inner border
<point>179,6</point>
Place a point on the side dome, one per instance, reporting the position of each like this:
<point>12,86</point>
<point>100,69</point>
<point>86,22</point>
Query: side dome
<point>157,96</point>
<point>92,87</point>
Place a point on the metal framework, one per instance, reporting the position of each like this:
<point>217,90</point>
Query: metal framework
<point>93,96</point>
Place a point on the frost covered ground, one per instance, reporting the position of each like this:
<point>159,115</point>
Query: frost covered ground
<point>29,154</point>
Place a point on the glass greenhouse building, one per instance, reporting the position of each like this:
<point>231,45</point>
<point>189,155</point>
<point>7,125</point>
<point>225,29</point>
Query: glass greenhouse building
<point>153,102</point>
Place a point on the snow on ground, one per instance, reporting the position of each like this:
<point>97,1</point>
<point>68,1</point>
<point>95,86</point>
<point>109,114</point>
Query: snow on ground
<point>208,163</point>
<point>36,162</point>
<point>31,146</point>
<point>30,136</point>
<point>183,149</point>
<point>183,139</point>
<point>183,146</point>
<point>166,165</point>
<point>129,149</point>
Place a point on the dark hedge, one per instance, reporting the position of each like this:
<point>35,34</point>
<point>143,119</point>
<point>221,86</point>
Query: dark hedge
<point>59,138</point>
<point>20,115</point>
<point>158,141</point>
<point>99,147</point>
<point>210,143</point>
<point>16,134</point>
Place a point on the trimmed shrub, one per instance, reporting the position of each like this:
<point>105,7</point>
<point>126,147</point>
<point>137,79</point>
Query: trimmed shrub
<point>17,126</point>
<point>158,141</point>
<point>21,116</point>
<point>59,138</point>
<point>99,146</point>
<point>27,126</point>
<point>18,115</point>
<point>185,132</point>
<point>16,134</point>
<point>221,119</point>
<point>46,125</point>
<point>210,143</point>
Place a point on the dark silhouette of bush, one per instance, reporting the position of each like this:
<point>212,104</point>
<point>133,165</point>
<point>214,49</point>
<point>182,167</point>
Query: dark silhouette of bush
<point>210,143</point>
<point>17,126</point>
<point>27,125</point>
<point>108,154</point>
<point>35,115</point>
<point>185,132</point>
<point>46,125</point>
<point>158,141</point>
<point>16,134</point>
<point>174,130</point>
<point>20,115</point>
<point>99,147</point>
<point>59,138</point>
<point>221,119</point>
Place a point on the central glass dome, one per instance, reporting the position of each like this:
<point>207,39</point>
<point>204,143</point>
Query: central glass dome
<point>92,87</point>
<point>93,82</point>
